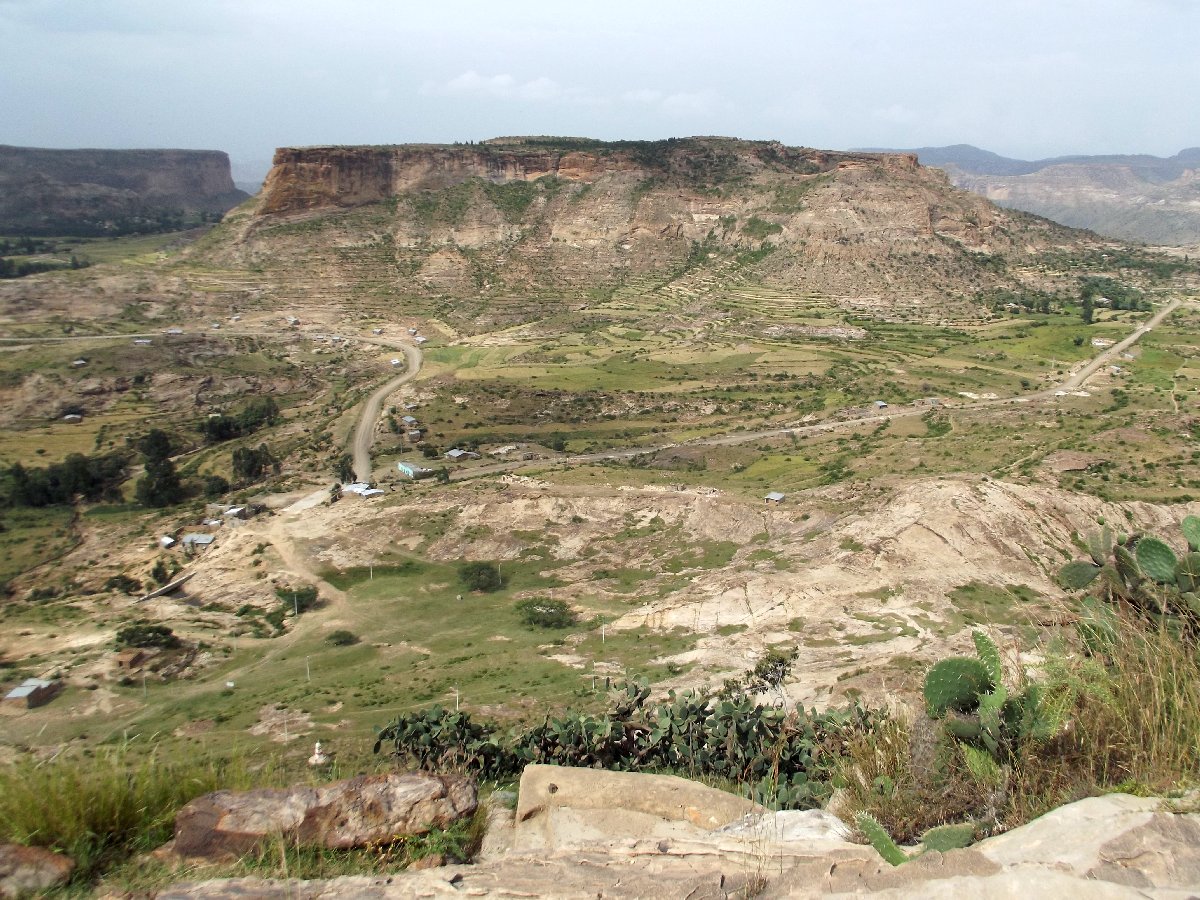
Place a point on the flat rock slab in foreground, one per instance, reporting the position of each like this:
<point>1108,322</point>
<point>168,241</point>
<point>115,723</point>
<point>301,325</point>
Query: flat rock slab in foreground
<point>1104,847</point>
<point>351,813</point>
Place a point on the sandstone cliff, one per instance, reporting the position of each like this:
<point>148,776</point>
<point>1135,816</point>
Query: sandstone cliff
<point>111,191</point>
<point>574,220</point>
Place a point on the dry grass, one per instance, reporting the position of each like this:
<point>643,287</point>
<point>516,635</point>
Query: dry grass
<point>1130,719</point>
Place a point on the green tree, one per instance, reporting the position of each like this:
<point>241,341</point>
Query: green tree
<point>480,576</point>
<point>344,469</point>
<point>1088,309</point>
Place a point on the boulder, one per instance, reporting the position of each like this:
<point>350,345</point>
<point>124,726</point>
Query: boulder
<point>562,807</point>
<point>354,812</point>
<point>24,870</point>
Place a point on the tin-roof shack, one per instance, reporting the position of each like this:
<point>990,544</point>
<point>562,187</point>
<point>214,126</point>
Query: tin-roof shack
<point>774,497</point>
<point>32,692</point>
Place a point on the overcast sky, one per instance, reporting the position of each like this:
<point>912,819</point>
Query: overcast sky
<point>1025,78</point>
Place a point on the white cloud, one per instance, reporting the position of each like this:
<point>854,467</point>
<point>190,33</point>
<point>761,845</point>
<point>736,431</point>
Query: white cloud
<point>501,87</point>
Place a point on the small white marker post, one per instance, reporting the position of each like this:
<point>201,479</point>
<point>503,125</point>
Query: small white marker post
<point>295,605</point>
<point>372,575</point>
<point>307,669</point>
<point>602,627</point>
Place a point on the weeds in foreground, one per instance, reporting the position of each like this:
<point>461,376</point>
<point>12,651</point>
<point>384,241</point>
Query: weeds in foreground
<point>1128,719</point>
<point>103,808</point>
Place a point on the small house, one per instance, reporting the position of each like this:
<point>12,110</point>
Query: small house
<point>167,542</point>
<point>129,660</point>
<point>362,489</point>
<point>141,342</point>
<point>197,540</point>
<point>174,330</point>
<point>412,331</point>
<point>408,470</point>
<point>32,692</point>
<point>881,404</point>
<point>410,421</point>
<point>238,512</point>
<point>420,340</point>
<point>774,497</point>
<point>415,435</point>
<point>397,362</point>
<point>72,418</point>
<point>376,331</point>
<point>78,363</point>
<point>457,454</point>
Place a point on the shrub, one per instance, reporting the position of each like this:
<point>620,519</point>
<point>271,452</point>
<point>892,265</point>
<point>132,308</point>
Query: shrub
<point>301,598</point>
<point>147,634</point>
<point>342,638</point>
<point>480,576</point>
<point>544,612</point>
<point>123,583</point>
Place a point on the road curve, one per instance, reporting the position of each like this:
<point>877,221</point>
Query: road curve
<point>364,431</point>
<point>1072,383</point>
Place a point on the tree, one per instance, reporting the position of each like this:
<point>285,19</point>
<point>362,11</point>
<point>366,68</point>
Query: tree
<point>1088,310</point>
<point>544,612</point>
<point>160,486</point>
<point>480,576</point>
<point>146,634</point>
<point>250,464</point>
<point>344,469</point>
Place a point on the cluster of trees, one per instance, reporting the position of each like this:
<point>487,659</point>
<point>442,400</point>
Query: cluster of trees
<point>19,268</point>
<point>250,464</point>
<point>259,412</point>
<point>94,478</point>
<point>161,485</point>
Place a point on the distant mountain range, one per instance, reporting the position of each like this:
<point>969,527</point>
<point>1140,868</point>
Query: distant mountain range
<point>1132,197</point>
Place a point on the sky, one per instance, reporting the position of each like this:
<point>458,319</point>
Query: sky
<point>1023,79</point>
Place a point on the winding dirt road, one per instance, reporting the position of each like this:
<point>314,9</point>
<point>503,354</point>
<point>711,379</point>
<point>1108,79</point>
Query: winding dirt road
<point>364,431</point>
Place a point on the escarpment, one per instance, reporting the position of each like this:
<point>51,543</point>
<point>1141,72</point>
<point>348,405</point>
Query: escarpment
<point>111,191</point>
<point>520,222</point>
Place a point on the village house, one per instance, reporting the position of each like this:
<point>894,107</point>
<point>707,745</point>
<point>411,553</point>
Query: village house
<point>32,692</point>
<point>408,470</point>
<point>774,497</point>
<point>132,659</point>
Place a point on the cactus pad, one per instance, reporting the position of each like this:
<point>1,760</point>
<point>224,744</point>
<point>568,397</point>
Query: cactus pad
<point>1187,573</point>
<point>1127,566</point>
<point>955,683</point>
<point>1076,575</point>
<point>880,839</point>
<point>1156,559</point>
<point>1191,531</point>
<point>989,655</point>
<point>1100,545</point>
<point>948,837</point>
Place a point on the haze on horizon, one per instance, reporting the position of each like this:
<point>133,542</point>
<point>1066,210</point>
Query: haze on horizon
<point>1021,78</point>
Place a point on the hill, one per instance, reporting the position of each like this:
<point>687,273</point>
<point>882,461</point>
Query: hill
<point>1132,197</point>
<point>109,192</point>
<point>518,223</point>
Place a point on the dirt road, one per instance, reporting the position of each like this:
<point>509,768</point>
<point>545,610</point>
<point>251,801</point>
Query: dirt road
<point>364,431</point>
<point>1072,383</point>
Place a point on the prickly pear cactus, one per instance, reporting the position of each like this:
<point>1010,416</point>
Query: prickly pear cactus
<point>880,839</point>
<point>1077,575</point>
<point>956,683</point>
<point>1157,560</point>
<point>948,837</point>
<point>989,655</point>
<point>1127,567</point>
<point>1187,573</point>
<point>1100,544</point>
<point>1191,531</point>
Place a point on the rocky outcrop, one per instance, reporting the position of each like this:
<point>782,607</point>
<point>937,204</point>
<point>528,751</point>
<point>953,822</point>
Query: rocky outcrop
<point>28,870</point>
<point>1105,847</point>
<point>529,220</point>
<point>350,813</point>
<point>110,191</point>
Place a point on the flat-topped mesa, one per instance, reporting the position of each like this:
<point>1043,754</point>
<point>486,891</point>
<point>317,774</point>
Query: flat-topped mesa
<point>311,178</point>
<point>46,191</point>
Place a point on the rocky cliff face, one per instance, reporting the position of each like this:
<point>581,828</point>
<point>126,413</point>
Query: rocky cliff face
<point>576,219</point>
<point>110,191</point>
